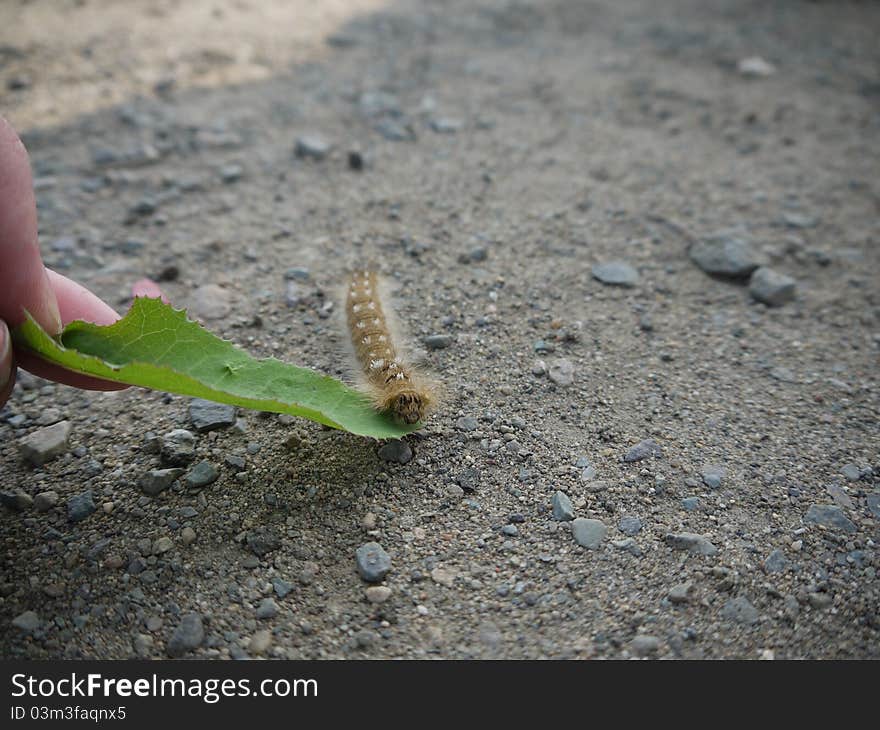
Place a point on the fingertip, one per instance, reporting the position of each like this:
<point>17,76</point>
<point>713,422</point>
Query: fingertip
<point>148,288</point>
<point>77,302</point>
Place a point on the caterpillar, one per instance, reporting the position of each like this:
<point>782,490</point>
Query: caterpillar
<point>393,385</point>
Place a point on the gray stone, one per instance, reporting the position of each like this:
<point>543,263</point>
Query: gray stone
<point>205,415</point>
<point>201,475</point>
<point>267,609</point>
<point>588,473</point>
<point>829,516</point>
<point>740,610</point>
<point>281,587</point>
<point>690,542</point>
<point>231,173</point>
<point>727,253</point>
<point>80,506</point>
<point>178,447</point>
<point>189,635</point>
<point>563,510</point>
<point>157,481</point>
<point>644,644</point>
<point>312,146</point>
<point>445,125</point>
<point>27,622</point>
<point>628,545</point>
<point>438,342</point>
<point>395,130</point>
<point>630,525</point>
<point>45,444</point>
<point>841,498</point>
<point>373,563</point>
<point>851,472</point>
<point>771,288</point>
<point>211,301</point>
<point>397,451</point>
<point>262,540</point>
<point>874,504</point>
<point>616,273</point>
<point>466,423</point>
<point>643,450</point>
<point>45,501</point>
<point>469,479</point>
<point>561,372</point>
<point>260,642</point>
<point>799,220</point>
<point>378,594</point>
<point>16,500</point>
<point>588,533</point>
<point>681,592</point>
<point>690,503</point>
<point>712,475</point>
<point>775,562</point>
<point>510,530</point>
<point>820,600</point>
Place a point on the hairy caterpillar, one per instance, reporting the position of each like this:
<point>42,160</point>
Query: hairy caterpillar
<point>392,383</point>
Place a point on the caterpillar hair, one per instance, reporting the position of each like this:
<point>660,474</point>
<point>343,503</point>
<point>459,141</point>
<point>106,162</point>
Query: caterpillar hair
<point>393,384</point>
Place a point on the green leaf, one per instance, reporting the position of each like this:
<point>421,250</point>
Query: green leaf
<point>156,346</point>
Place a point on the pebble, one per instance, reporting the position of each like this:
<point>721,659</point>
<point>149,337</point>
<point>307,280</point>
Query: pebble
<point>395,131</point>
<point>262,540</point>
<point>840,497</point>
<point>163,545</point>
<point>178,447</point>
<point>438,342</point>
<point>874,504</point>
<point>443,577</point>
<point>775,562</point>
<point>45,444</point>
<point>563,510</point>
<point>445,125</point>
<point>510,530</point>
<point>820,600</point>
<point>189,635</point>
<point>80,506</point>
<point>644,644</point>
<point>187,535</point>
<point>755,67</point>
<point>628,545</point>
<point>740,610</point>
<point>373,563</point>
<point>681,592</point>
<point>712,475</point>
<point>561,372</point>
<point>312,146</point>
<point>616,273</point>
<point>630,525</point>
<point>378,594</point>
<point>206,415</point>
<point>211,301</point>
<point>281,587</point>
<point>397,451</point>
<point>45,501</point>
<point>28,622</point>
<point>643,450</point>
<point>267,609</point>
<point>466,423</point>
<point>260,642</point>
<point>469,479</point>
<point>157,481</point>
<point>17,500</point>
<point>851,472</point>
<point>231,173</point>
<point>690,503</point>
<point>588,533</point>
<point>830,516</point>
<point>690,542</point>
<point>771,288</point>
<point>201,475</point>
<point>726,253</point>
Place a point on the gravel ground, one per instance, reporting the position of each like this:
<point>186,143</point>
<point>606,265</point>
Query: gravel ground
<point>634,458</point>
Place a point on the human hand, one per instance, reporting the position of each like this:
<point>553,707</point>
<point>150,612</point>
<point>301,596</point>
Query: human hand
<point>25,283</point>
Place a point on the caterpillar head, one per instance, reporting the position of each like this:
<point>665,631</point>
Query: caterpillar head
<point>408,406</point>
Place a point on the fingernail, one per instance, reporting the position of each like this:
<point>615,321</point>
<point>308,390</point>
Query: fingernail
<point>52,311</point>
<point>5,355</point>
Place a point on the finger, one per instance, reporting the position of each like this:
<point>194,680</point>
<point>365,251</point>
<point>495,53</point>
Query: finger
<point>75,302</point>
<point>23,280</point>
<point>7,367</point>
<point>148,288</point>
